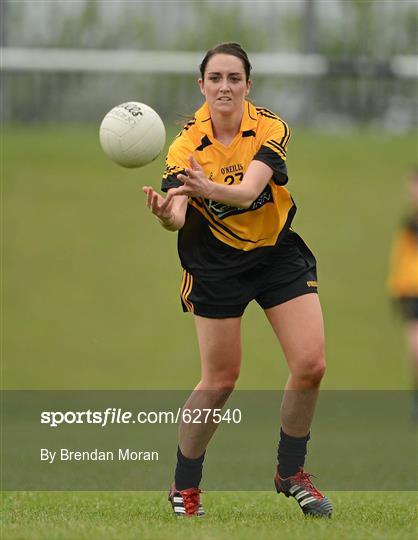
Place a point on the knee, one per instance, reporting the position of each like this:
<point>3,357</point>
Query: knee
<point>222,382</point>
<point>317,371</point>
<point>311,368</point>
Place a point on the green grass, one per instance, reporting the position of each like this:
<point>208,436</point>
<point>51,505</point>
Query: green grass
<point>91,282</point>
<point>91,302</point>
<point>230,516</point>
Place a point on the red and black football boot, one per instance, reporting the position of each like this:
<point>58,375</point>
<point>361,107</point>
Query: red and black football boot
<point>186,503</point>
<point>299,486</point>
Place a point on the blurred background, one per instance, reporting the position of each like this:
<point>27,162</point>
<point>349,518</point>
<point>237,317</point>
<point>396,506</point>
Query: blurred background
<point>90,281</point>
<point>327,62</point>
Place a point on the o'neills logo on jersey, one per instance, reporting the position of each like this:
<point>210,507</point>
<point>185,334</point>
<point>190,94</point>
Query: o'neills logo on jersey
<point>232,168</point>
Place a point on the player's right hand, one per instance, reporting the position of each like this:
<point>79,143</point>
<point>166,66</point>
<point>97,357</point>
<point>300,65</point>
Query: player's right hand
<point>161,207</point>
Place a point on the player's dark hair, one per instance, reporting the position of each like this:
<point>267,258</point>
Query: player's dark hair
<point>234,49</point>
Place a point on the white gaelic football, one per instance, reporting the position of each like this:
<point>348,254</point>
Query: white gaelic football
<point>132,134</point>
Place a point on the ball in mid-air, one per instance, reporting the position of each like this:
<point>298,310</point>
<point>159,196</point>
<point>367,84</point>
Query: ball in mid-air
<point>132,134</point>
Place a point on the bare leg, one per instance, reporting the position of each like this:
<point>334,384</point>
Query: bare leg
<point>412,339</point>
<point>298,324</point>
<point>220,351</point>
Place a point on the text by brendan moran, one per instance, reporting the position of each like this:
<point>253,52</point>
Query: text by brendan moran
<point>122,454</point>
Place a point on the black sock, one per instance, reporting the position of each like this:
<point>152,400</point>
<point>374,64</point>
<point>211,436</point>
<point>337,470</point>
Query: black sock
<point>188,471</point>
<point>291,453</point>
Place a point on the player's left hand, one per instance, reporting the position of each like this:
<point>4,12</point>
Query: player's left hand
<point>195,182</point>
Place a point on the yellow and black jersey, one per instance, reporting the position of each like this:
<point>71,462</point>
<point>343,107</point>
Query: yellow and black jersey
<point>218,239</point>
<point>403,278</point>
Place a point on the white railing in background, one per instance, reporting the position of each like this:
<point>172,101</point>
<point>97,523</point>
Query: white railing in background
<point>95,60</point>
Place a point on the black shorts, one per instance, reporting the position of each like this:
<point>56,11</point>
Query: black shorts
<point>287,272</point>
<point>408,306</point>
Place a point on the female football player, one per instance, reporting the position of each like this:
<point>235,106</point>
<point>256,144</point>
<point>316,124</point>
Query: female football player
<point>403,281</point>
<point>225,175</point>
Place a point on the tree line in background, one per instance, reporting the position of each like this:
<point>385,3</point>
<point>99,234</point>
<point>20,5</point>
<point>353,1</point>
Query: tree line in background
<point>355,28</point>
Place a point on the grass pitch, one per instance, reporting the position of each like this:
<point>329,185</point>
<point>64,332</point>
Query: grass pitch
<point>91,281</point>
<point>230,516</point>
<point>91,302</point>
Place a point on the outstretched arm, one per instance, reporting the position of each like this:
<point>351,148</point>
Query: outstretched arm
<point>171,212</point>
<point>196,184</point>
